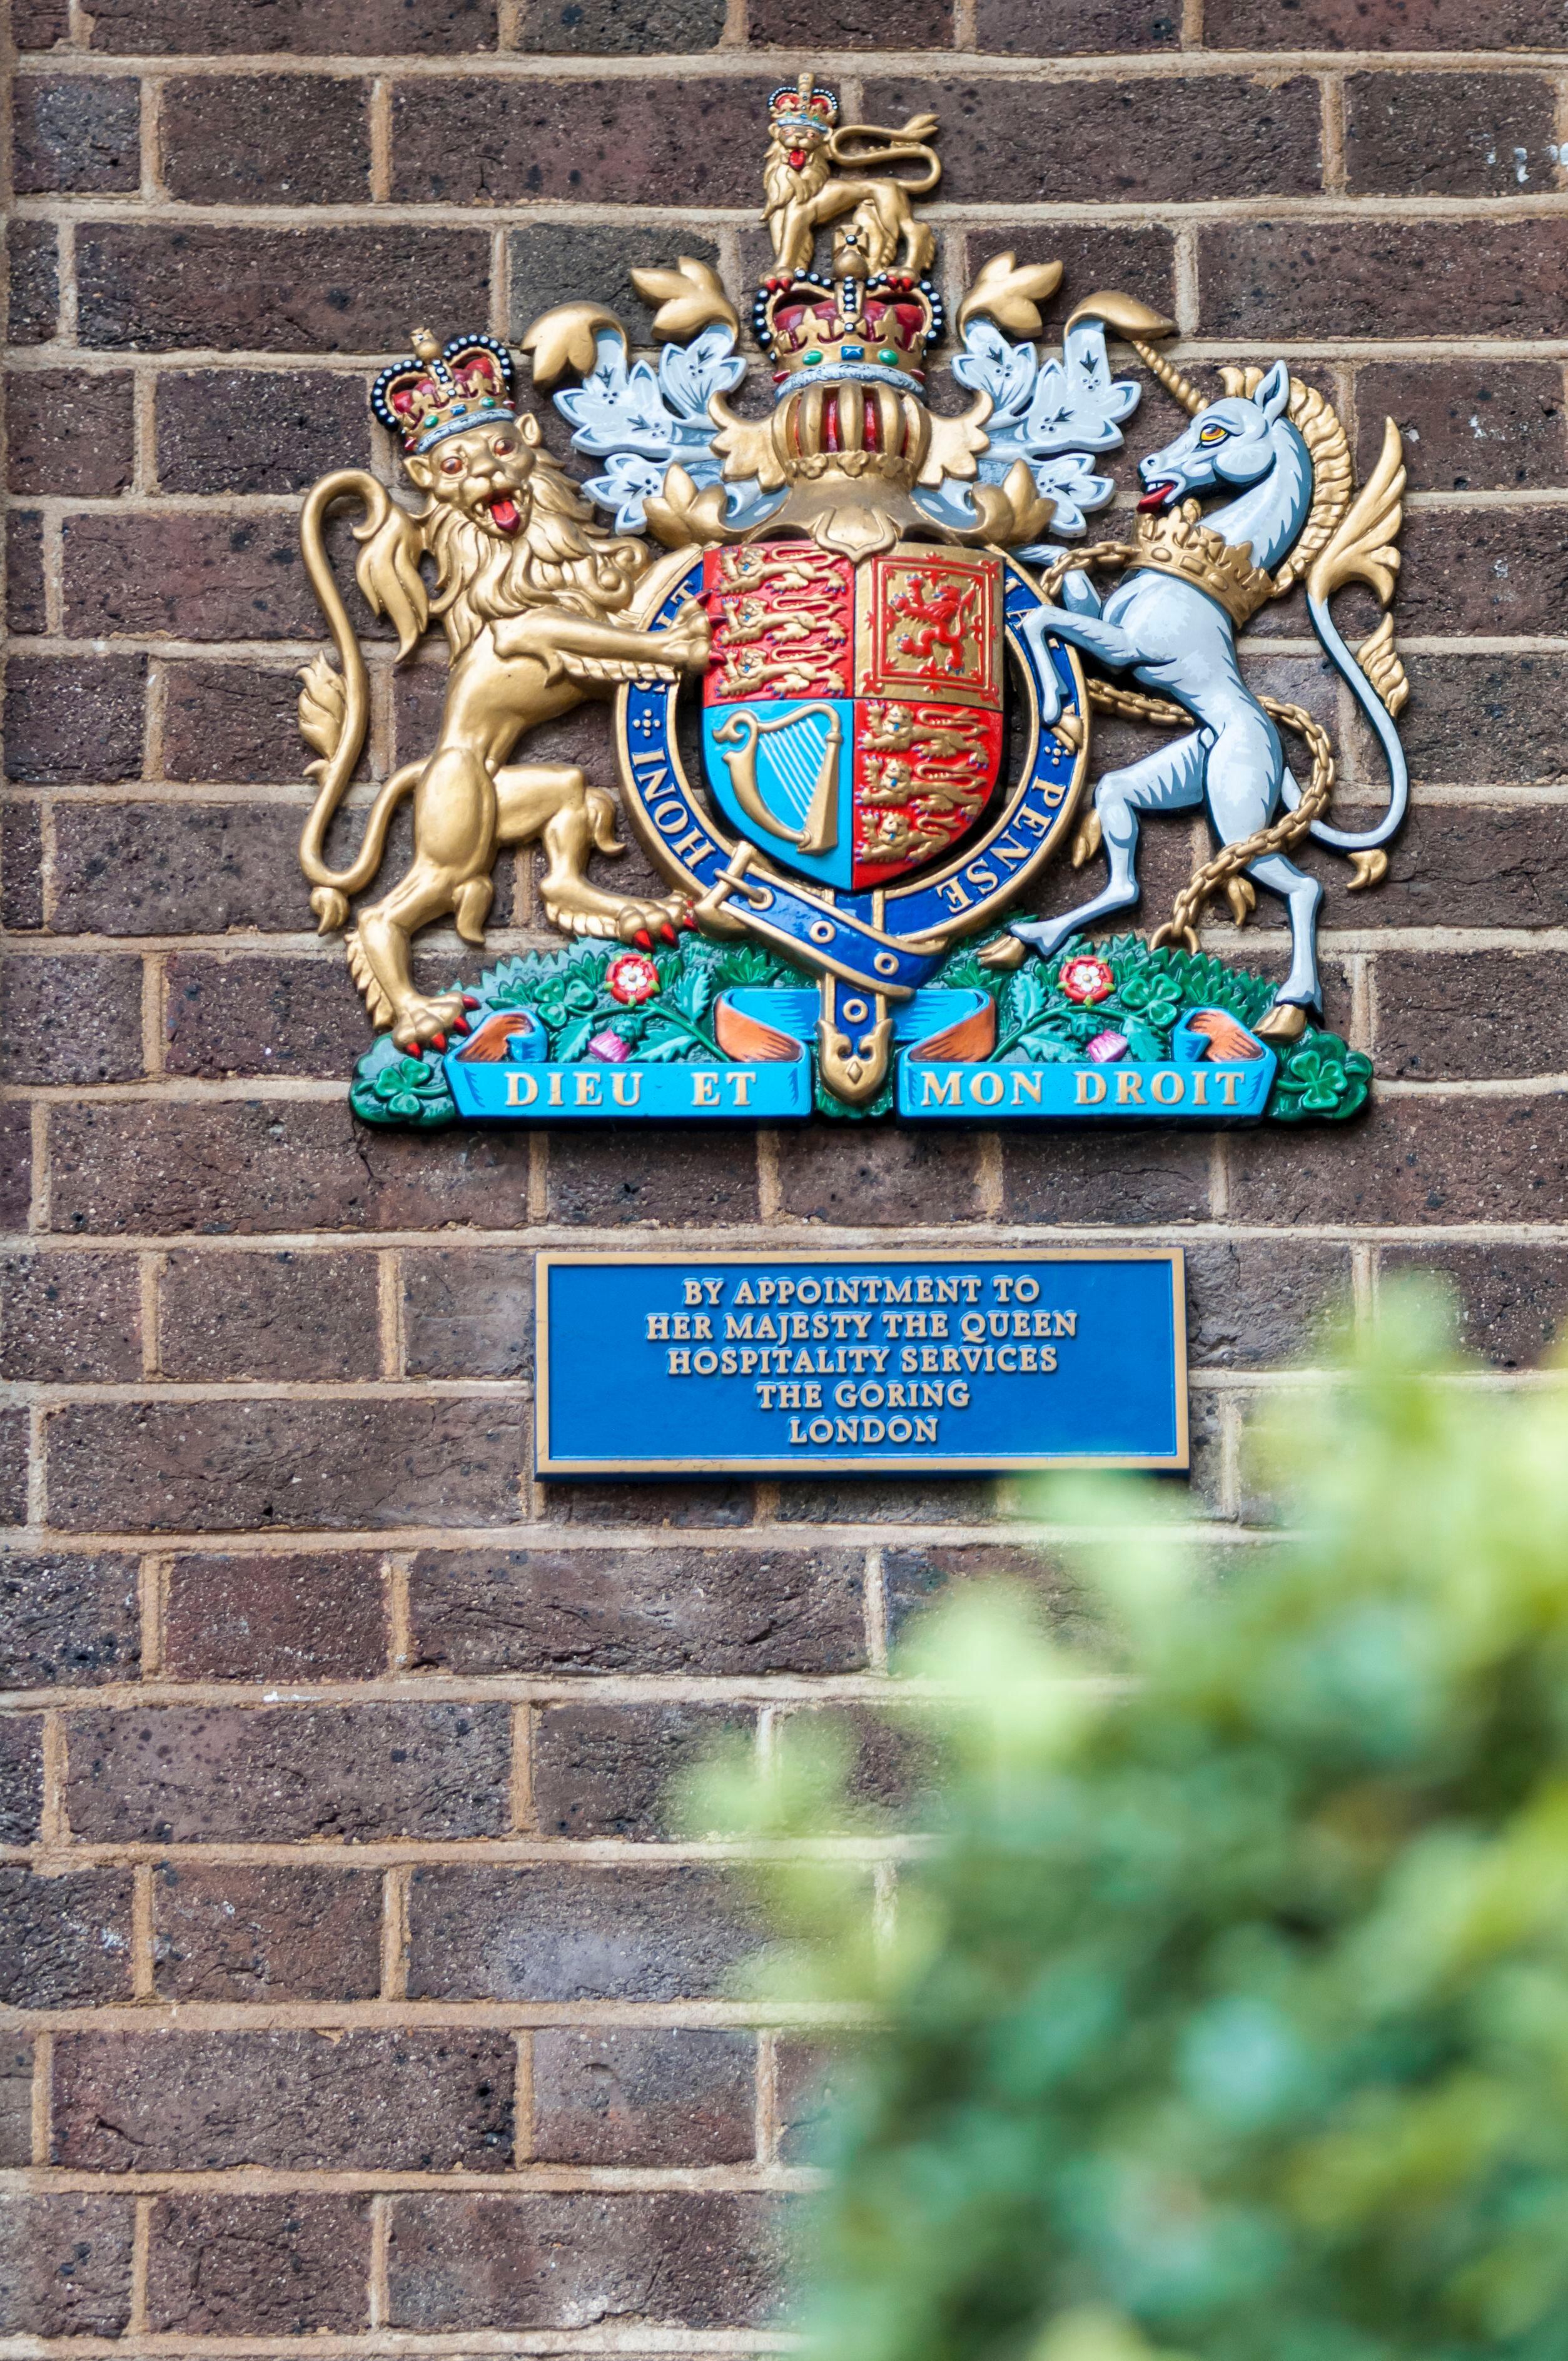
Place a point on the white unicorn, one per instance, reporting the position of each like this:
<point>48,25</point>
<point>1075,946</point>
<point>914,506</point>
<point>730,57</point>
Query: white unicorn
<point>1172,624</point>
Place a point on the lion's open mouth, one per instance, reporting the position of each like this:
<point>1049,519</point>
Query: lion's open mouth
<point>1160,495</point>
<point>504,512</point>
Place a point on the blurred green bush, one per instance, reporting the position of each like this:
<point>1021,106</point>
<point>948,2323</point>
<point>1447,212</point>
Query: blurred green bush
<point>1225,2013</point>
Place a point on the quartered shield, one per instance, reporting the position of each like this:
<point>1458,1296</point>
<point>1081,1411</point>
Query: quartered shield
<point>852,714</point>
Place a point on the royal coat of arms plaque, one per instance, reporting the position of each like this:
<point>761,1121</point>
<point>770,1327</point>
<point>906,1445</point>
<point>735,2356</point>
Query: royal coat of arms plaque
<point>854,642</point>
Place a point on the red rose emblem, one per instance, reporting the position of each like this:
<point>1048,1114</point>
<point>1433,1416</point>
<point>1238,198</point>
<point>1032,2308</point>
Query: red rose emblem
<point>631,978</point>
<point>1087,981</point>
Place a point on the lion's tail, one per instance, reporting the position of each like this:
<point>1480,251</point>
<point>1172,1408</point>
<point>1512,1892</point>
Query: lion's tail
<point>601,819</point>
<point>335,707</point>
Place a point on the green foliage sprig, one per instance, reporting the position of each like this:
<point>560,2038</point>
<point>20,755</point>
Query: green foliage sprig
<point>1226,2013</point>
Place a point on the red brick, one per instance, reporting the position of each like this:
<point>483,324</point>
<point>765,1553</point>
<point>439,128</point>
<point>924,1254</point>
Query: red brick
<point>1344,276</point>
<point>674,1176</point>
<point>669,1507</point>
<point>359,27</point>
<point>222,2266</point>
<point>810,2083</point>
<point>259,429</point>
<point>1443,1160</point>
<point>65,2266</point>
<point>279,1165</point>
<point>859,25</point>
<point>1260,1303</point>
<point>65,1942</point>
<point>76,132</point>
<point>468,1315</point>
<point>612,27</point>
<point>474,2262</point>
<point>228,1933</point>
<point>236,1014</point>
<point>21,1776</point>
<point>297,139</point>
<point>395,2101</point>
<point>16,2099</point>
<point>15,1163</point>
<point>1468,425</point>
<point>70,1017</point>
<point>459,142</point>
<point>642,1609</point>
<point>69,1319</point>
<point>269,1315</point>
<point>172,869</point>
<point>40,24</point>
<point>154,288</point>
<point>21,845</point>
<point>1492,572</point>
<point>916,1576</point>
<point>239,722</point>
<point>1141,1175</point>
<point>312,1617</point>
<point>1471,1015</point>
<point>542,1934</point>
<point>626,2096</point>
<point>1449,134</point>
<point>68,1621</point>
<point>889,1766</point>
<point>69,431</point>
<point>34,298</point>
<point>1472,865</point>
<point>1473,719</point>
<point>73,719</point>
<point>1013,141</point>
<point>612,1770</point>
<point>552,263</point>
<point>220,1466</point>
<point>186,576</point>
<point>1379,25</point>
<point>1512,1299</point>
<point>878,1174</point>
<point>1077,27</point>
<point>27,612</point>
<point>1135,257</point>
<point>180,1775</point>
<point>13,1467</point>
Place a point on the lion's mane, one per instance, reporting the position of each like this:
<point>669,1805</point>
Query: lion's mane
<point>785,184</point>
<point>561,557</point>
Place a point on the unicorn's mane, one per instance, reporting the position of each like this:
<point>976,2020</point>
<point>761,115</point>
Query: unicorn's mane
<point>1324,437</point>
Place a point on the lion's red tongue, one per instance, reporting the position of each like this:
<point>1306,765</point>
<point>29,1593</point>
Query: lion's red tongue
<point>504,514</point>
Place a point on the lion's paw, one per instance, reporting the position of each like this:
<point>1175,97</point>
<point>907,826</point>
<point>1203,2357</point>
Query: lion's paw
<point>426,1024</point>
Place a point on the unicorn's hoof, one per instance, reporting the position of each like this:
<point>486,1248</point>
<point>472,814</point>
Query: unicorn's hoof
<point>1286,1021</point>
<point>1006,952</point>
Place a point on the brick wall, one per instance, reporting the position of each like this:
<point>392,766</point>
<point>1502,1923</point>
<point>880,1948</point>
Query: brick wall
<point>351,1983</point>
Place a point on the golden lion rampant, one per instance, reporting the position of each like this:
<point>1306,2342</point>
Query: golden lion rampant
<point>530,593</point>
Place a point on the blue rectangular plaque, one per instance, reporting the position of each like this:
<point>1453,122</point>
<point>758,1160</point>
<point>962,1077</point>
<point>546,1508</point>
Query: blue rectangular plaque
<point>666,1364</point>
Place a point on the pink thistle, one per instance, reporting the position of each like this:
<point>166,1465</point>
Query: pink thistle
<point>1106,1047</point>
<point>608,1047</point>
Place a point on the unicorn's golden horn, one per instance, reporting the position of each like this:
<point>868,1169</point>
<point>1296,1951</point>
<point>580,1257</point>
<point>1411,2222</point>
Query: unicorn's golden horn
<point>1181,388</point>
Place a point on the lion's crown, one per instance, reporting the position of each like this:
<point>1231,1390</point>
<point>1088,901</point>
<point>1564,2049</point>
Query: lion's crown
<point>443,389</point>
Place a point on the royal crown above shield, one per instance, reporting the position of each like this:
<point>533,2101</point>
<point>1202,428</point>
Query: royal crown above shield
<point>854,642</point>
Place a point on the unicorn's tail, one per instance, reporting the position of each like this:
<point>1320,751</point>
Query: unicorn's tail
<point>1362,549</point>
<point>1382,722</point>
